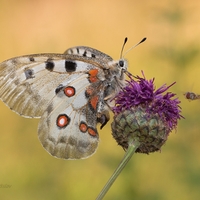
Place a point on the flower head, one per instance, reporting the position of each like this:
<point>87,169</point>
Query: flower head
<point>145,114</point>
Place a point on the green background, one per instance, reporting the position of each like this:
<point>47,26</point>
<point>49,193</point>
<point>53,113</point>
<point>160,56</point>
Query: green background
<point>171,53</point>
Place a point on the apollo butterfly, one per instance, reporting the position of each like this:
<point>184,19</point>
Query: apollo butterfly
<point>70,92</point>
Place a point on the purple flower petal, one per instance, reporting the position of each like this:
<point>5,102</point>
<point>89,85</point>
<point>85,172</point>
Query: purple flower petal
<point>142,92</point>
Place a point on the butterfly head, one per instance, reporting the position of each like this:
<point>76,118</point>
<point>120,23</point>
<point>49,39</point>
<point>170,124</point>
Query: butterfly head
<point>120,64</point>
<point>118,67</point>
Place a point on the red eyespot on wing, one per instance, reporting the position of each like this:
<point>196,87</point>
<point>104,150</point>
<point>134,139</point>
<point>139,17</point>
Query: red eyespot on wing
<point>69,91</point>
<point>62,120</point>
<point>83,127</point>
<point>92,131</point>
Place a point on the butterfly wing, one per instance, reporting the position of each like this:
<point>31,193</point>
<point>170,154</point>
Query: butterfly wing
<point>67,129</point>
<point>65,92</point>
<point>28,83</point>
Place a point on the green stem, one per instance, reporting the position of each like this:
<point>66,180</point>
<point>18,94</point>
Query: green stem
<point>130,151</point>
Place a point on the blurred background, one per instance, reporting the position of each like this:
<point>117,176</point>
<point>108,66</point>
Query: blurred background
<point>171,53</point>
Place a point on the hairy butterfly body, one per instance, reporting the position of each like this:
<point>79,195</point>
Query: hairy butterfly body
<point>70,92</point>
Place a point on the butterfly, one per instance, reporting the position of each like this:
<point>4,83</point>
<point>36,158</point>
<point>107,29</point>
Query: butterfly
<point>69,92</point>
<point>191,96</point>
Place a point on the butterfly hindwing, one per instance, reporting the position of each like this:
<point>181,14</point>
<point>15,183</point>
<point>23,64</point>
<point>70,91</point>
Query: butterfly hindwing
<point>67,128</point>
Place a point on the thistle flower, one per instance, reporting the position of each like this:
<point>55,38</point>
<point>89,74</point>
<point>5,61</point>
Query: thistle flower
<point>143,119</point>
<point>144,114</point>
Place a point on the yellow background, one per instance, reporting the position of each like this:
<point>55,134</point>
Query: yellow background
<point>171,53</point>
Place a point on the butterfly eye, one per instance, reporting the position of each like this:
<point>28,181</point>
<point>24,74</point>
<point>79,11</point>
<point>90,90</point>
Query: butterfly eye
<point>121,63</point>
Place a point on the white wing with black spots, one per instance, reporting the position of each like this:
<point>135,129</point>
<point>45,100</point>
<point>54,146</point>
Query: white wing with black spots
<point>71,93</point>
<point>27,84</point>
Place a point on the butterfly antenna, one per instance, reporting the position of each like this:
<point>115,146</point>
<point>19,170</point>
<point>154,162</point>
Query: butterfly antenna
<point>134,45</point>
<point>125,40</point>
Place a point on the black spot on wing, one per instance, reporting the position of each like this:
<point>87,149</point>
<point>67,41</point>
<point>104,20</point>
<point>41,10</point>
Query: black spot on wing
<point>49,65</point>
<point>70,51</point>
<point>31,59</point>
<point>59,88</point>
<point>85,53</point>
<point>70,66</point>
<point>77,50</point>
<point>29,73</point>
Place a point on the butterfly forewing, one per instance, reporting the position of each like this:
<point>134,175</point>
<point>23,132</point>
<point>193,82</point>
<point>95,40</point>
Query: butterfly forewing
<point>28,86</point>
<point>21,82</point>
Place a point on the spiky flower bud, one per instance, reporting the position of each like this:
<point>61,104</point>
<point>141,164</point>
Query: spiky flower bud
<point>144,114</point>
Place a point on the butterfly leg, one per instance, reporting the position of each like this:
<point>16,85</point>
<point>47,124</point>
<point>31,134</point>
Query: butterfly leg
<point>103,118</point>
